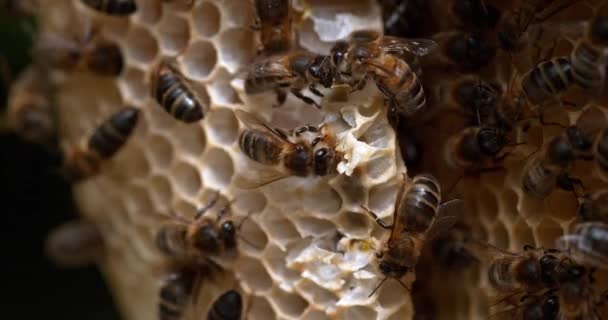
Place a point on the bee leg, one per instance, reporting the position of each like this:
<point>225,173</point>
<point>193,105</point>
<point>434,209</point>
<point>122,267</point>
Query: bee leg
<point>200,212</point>
<point>315,91</point>
<point>378,220</point>
<point>296,92</point>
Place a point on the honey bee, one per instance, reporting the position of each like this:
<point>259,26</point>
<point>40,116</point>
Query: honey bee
<point>588,244</point>
<point>112,7</point>
<point>472,147</point>
<point>537,307</point>
<point>542,170</point>
<point>179,289</point>
<point>594,207</point>
<point>275,24</point>
<point>547,80</point>
<point>418,218</point>
<point>588,56</point>
<point>173,92</point>
<point>74,244</point>
<point>227,307</point>
<point>294,70</point>
<point>516,22</point>
<point>190,239</point>
<point>405,18</point>
<point>465,51</point>
<point>105,142</point>
<point>91,53</point>
<point>478,99</point>
<point>600,150</point>
<point>305,151</point>
<point>30,110</point>
<point>384,59</point>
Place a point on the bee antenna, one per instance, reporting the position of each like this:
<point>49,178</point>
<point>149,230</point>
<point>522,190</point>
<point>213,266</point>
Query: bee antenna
<point>238,228</point>
<point>200,212</point>
<point>378,286</point>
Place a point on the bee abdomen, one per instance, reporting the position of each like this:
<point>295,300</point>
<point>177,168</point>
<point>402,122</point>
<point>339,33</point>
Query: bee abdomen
<point>421,203</point>
<point>173,95</point>
<point>114,132</point>
<point>548,79</point>
<point>174,295</point>
<point>412,99</point>
<point>227,307</point>
<point>113,7</point>
<point>586,62</point>
<point>259,147</point>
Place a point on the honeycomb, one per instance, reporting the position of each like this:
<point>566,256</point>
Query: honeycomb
<point>310,248</point>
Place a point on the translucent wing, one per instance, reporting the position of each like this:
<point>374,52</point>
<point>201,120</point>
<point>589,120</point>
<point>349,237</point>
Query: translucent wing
<point>259,178</point>
<point>253,122</point>
<point>448,214</point>
<point>398,227</point>
<point>419,47</point>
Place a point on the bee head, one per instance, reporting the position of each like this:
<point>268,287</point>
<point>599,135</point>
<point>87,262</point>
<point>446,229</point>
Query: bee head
<point>322,70</point>
<point>338,53</point>
<point>393,270</point>
<point>529,271</point>
<point>228,233</point>
<point>323,160</point>
<point>491,141</point>
<point>206,238</point>
<point>560,151</point>
<point>578,139</point>
<point>548,263</point>
<point>550,307</point>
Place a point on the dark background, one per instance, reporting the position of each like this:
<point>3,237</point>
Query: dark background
<point>32,201</point>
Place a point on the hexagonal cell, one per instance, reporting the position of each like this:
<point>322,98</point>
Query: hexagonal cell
<point>190,139</point>
<point>354,224</point>
<point>249,201</point>
<point>287,304</point>
<point>132,160</point>
<point>141,46</point>
<point>161,191</point>
<point>206,19</point>
<point>311,314</point>
<point>221,90</point>
<point>499,236</point>
<point>253,275</point>
<point>186,178</point>
<point>199,60</point>
<point>260,309</point>
<point>218,168</point>
<point>159,151</point>
<point>383,197</point>
<point>350,189</point>
<point>173,33</point>
<point>381,168</point>
<point>222,126</point>
<point>316,295</point>
<point>546,232</point>
<point>562,205</point>
<point>184,208</point>
<point>236,14</point>
<point>148,12</point>
<point>138,203</point>
<point>274,261</point>
<point>322,199</point>
<point>379,135</point>
<point>236,48</point>
<point>487,203</point>
<point>132,85</point>
<point>309,226</point>
<point>357,313</point>
<point>253,239</point>
<point>278,229</point>
<point>522,235</point>
<point>402,313</point>
<point>508,204</point>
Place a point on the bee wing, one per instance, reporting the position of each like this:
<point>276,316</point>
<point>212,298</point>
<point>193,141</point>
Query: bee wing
<point>419,47</point>
<point>446,217</point>
<point>253,122</point>
<point>261,178</point>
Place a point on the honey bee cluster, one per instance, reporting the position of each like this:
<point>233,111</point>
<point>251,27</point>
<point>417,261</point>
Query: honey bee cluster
<point>276,159</point>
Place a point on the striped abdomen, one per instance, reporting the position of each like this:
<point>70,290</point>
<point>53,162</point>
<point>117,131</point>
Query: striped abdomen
<point>112,134</point>
<point>402,85</point>
<point>175,294</point>
<point>588,65</point>
<point>227,307</point>
<point>260,146</point>
<point>112,7</point>
<point>275,24</point>
<point>171,241</point>
<point>175,97</point>
<point>538,180</point>
<point>500,276</point>
<point>547,80</point>
<point>421,203</point>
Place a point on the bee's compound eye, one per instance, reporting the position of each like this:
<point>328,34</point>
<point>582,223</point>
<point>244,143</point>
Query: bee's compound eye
<point>321,154</point>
